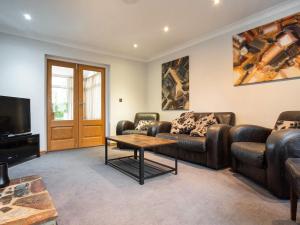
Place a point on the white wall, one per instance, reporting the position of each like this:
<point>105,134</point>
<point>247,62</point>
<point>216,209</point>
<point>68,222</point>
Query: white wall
<point>211,83</point>
<point>23,74</point>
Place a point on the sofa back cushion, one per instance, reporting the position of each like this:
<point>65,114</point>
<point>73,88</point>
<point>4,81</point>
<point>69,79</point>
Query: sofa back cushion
<point>222,117</point>
<point>145,116</point>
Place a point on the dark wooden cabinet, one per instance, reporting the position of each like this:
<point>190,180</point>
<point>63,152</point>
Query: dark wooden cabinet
<point>18,148</point>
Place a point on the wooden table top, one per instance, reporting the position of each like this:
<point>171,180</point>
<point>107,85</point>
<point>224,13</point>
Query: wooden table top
<point>26,201</point>
<point>141,141</point>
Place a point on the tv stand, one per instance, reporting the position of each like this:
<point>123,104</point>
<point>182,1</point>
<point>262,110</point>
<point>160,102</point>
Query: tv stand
<point>17,135</point>
<point>17,148</point>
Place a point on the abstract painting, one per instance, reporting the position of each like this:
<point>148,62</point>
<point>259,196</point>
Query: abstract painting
<point>268,53</point>
<point>175,84</point>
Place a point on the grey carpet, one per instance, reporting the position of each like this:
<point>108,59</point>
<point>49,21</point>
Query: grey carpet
<point>86,192</point>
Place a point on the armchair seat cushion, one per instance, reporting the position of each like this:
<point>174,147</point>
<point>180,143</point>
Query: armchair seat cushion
<point>250,153</point>
<point>186,142</point>
<point>142,132</point>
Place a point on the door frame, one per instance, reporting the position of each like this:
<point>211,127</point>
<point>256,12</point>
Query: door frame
<point>66,61</point>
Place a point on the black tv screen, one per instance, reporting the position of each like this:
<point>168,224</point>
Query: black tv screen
<point>14,115</point>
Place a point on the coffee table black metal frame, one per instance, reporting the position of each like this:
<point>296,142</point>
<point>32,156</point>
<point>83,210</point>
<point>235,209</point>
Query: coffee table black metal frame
<point>137,166</point>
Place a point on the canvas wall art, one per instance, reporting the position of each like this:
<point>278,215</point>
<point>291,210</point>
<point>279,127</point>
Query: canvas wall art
<point>267,53</point>
<point>175,84</point>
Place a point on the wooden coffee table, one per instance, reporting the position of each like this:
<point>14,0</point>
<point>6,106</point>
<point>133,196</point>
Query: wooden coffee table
<point>26,201</point>
<point>137,166</point>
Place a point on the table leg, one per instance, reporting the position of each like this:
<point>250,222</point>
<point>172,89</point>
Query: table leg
<point>106,151</point>
<point>135,153</point>
<point>176,163</point>
<point>176,166</point>
<point>141,175</point>
<point>294,201</point>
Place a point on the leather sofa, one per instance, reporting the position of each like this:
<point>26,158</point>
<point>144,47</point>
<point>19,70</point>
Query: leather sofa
<point>260,154</point>
<point>128,127</point>
<point>211,151</point>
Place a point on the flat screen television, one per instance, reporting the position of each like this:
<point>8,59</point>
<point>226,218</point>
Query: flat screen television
<point>14,115</point>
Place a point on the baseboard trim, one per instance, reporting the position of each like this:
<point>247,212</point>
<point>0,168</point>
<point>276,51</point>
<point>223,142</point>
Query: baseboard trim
<point>110,144</point>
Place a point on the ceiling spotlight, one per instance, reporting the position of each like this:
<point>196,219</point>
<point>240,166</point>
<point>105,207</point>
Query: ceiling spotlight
<point>135,45</point>
<point>27,16</point>
<point>216,2</point>
<point>166,29</point>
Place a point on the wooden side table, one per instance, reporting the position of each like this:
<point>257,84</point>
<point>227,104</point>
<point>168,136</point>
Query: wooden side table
<point>26,201</point>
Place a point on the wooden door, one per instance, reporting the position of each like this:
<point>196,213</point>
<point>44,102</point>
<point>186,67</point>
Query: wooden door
<point>91,106</point>
<point>62,88</point>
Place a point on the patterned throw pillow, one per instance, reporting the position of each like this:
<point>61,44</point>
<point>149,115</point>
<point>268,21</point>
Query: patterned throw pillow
<point>203,124</point>
<point>285,124</point>
<point>184,124</point>
<point>144,125</point>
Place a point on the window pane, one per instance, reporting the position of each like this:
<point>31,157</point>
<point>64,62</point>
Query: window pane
<point>91,95</point>
<point>62,92</point>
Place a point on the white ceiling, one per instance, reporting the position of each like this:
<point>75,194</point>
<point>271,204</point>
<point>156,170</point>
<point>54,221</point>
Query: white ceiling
<point>113,26</point>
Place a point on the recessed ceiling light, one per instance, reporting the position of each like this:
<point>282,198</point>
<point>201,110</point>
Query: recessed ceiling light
<point>216,2</point>
<point>27,16</point>
<point>166,29</point>
<point>135,45</point>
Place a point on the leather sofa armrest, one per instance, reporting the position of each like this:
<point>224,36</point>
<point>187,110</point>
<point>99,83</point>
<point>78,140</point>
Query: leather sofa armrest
<point>249,133</point>
<point>160,127</point>
<point>124,125</point>
<point>217,146</point>
<point>280,146</point>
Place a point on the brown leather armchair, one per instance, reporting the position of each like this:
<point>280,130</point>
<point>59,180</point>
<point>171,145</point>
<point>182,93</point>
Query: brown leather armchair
<point>128,127</point>
<point>260,154</point>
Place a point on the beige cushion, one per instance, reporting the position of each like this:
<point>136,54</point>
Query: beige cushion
<point>184,124</point>
<point>144,125</point>
<point>203,124</point>
<point>286,124</point>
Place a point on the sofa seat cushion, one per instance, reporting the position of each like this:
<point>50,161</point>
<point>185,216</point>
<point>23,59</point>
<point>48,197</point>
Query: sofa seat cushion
<point>142,132</point>
<point>249,153</point>
<point>168,136</point>
<point>195,144</point>
<point>186,142</point>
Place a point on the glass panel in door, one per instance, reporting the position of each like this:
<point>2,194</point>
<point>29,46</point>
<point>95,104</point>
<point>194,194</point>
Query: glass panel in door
<point>62,93</point>
<point>91,95</point>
